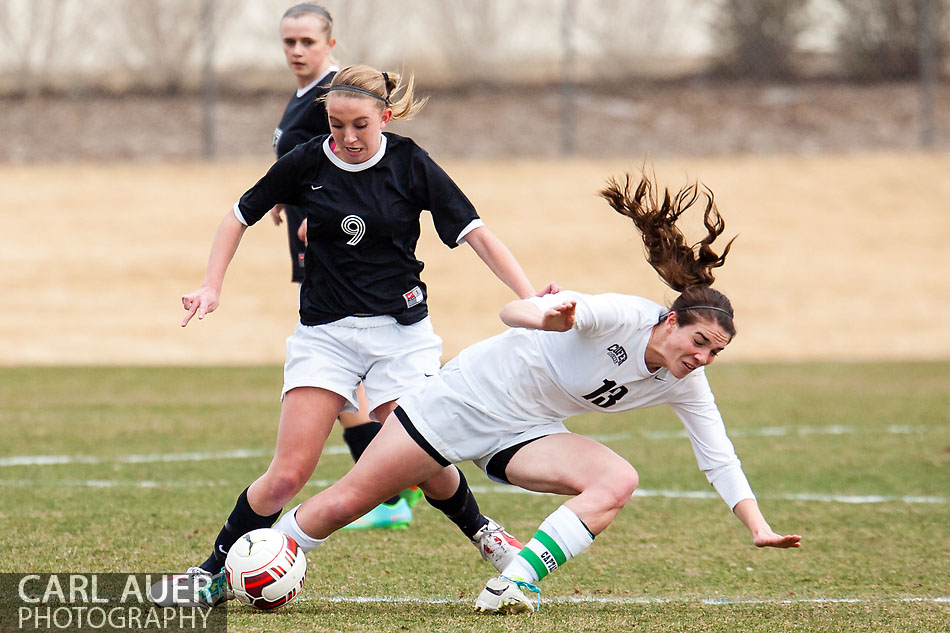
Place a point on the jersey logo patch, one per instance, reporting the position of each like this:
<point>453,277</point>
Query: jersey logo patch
<point>413,297</point>
<point>617,354</point>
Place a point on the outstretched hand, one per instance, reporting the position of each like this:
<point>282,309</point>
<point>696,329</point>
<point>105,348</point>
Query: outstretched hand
<point>200,302</point>
<point>550,289</point>
<point>275,214</point>
<point>771,539</point>
<point>560,318</point>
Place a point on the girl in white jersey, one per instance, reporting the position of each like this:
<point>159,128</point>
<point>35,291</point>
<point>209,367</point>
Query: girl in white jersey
<point>502,403</point>
<point>363,314</point>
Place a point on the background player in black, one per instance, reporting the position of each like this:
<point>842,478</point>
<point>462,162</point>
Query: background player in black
<point>306,33</point>
<point>363,313</point>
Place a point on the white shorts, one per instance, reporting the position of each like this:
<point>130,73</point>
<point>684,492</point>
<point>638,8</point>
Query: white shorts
<point>451,418</point>
<point>388,358</point>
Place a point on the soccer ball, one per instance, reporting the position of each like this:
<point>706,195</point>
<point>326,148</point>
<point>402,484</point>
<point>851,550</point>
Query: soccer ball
<point>266,568</point>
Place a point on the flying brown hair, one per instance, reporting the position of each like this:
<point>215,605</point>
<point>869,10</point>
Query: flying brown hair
<point>686,268</point>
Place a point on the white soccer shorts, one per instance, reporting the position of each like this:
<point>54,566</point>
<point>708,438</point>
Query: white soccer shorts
<point>446,412</point>
<point>388,358</point>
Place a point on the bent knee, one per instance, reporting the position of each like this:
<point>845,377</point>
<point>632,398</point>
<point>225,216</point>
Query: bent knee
<point>620,484</point>
<point>340,509</point>
<point>282,486</point>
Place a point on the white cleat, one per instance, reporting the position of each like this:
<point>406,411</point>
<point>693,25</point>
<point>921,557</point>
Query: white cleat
<point>496,545</point>
<point>503,596</point>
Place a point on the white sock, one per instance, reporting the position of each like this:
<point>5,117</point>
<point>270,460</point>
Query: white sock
<point>288,525</point>
<point>561,537</point>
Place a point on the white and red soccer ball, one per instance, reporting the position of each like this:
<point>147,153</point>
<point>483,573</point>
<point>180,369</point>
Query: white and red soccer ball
<point>266,568</point>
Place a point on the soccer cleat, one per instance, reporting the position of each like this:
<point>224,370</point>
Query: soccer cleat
<point>195,588</point>
<point>412,495</point>
<point>504,596</point>
<point>394,517</point>
<point>496,545</point>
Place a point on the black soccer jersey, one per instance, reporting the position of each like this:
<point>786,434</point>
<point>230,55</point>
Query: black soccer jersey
<point>362,225</point>
<point>304,117</point>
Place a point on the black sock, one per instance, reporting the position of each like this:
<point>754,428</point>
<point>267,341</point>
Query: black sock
<point>242,520</point>
<point>461,508</point>
<point>357,438</point>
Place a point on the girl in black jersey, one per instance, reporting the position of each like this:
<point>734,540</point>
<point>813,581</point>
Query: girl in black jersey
<point>363,312</point>
<point>306,33</point>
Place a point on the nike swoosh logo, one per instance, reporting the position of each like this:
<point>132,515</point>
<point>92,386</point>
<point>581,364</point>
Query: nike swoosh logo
<point>497,592</point>
<point>222,550</point>
<point>317,187</point>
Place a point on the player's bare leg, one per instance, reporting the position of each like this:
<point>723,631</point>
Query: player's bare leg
<point>392,462</point>
<point>306,417</point>
<point>359,429</point>
<point>600,483</point>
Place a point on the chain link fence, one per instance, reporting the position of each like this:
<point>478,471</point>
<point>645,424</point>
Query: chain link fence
<point>184,79</point>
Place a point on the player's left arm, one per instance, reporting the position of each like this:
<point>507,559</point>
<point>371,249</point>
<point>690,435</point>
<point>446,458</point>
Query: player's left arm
<point>275,214</point>
<point>762,535</point>
<point>715,455</point>
<point>499,259</point>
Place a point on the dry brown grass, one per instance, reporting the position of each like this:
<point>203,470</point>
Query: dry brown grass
<point>838,257</point>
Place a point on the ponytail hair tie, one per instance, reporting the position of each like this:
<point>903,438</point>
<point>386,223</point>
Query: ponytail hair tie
<point>386,86</point>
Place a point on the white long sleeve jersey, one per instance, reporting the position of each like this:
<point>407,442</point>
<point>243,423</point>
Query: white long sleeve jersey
<point>526,374</point>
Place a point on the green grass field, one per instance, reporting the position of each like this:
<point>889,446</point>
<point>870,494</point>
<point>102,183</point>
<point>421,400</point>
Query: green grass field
<point>134,469</point>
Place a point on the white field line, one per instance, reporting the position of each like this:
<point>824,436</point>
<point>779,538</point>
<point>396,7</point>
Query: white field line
<point>781,431</point>
<point>492,489</point>
<point>709,494</point>
<point>339,449</point>
<point>240,453</point>
<point>632,600</point>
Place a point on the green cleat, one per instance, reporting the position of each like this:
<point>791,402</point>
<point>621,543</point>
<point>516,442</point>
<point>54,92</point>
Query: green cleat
<point>412,495</point>
<point>393,517</point>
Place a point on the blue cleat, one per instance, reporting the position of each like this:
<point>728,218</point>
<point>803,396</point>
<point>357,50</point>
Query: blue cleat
<point>393,517</point>
<point>195,588</point>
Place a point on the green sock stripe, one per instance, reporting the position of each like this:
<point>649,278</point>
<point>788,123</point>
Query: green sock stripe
<point>552,546</point>
<point>535,561</point>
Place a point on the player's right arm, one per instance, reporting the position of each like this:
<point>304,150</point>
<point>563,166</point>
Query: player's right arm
<point>527,314</point>
<point>277,186</point>
<point>225,244</point>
